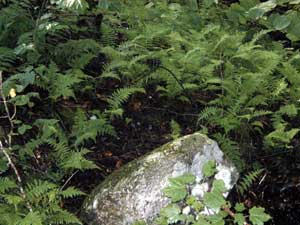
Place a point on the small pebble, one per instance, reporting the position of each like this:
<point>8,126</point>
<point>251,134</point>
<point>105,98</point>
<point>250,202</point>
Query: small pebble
<point>186,210</point>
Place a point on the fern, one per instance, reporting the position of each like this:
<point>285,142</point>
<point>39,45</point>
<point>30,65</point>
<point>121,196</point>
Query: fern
<point>121,95</point>
<point>71,192</point>
<point>32,218</point>
<point>7,58</point>
<point>85,129</point>
<point>6,184</point>
<point>77,161</point>
<point>248,180</point>
<point>38,189</point>
<point>208,112</point>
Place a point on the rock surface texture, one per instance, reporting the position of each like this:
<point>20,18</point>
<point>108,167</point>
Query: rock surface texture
<point>134,192</point>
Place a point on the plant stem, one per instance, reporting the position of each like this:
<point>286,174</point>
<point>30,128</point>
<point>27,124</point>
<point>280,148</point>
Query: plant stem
<point>9,141</point>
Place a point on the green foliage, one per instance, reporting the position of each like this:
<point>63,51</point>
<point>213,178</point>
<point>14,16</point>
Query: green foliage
<point>176,191</point>
<point>280,16</point>
<point>247,181</point>
<point>211,209</point>
<point>209,168</point>
<point>70,67</point>
<point>175,128</point>
<point>258,216</point>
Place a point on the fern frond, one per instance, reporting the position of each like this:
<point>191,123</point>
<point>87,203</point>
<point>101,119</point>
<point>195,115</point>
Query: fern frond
<point>7,58</point>
<point>248,180</point>
<point>60,216</point>
<point>6,184</point>
<point>208,112</point>
<point>77,161</point>
<point>71,192</point>
<point>121,95</point>
<point>231,149</point>
<point>38,189</point>
<point>32,218</point>
<point>86,129</point>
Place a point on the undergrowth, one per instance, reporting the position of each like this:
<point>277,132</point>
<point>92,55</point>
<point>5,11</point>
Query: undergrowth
<point>224,61</point>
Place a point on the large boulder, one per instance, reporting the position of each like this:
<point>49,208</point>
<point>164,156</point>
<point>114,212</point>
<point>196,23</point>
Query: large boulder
<point>134,192</point>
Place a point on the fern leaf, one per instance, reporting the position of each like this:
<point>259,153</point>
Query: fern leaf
<point>32,218</point>
<point>38,189</point>
<point>121,95</point>
<point>71,192</point>
<point>77,161</point>
<point>6,184</point>
<point>60,216</point>
<point>208,112</point>
<point>247,181</point>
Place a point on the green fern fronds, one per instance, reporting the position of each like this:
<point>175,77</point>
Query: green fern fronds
<point>231,149</point>
<point>209,112</point>
<point>7,58</point>
<point>86,129</point>
<point>32,218</point>
<point>71,192</point>
<point>6,184</point>
<point>38,189</point>
<point>77,161</point>
<point>60,216</point>
<point>121,95</point>
<point>248,180</point>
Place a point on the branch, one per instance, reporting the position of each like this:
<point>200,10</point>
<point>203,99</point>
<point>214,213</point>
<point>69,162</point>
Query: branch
<point>9,141</point>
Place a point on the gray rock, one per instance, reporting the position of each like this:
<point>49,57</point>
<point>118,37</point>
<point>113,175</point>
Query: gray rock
<point>134,192</point>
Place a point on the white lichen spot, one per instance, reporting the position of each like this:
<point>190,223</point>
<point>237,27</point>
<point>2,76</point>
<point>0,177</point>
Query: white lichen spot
<point>200,189</point>
<point>153,157</point>
<point>208,211</point>
<point>224,173</point>
<point>179,169</point>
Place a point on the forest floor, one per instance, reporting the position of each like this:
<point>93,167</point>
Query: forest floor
<point>278,189</point>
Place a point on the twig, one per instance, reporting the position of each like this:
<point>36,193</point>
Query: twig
<point>68,180</point>
<point>9,141</point>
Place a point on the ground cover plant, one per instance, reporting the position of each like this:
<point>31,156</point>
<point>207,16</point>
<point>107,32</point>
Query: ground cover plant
<point>84,84</point>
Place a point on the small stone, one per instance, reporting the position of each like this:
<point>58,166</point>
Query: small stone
<point>186,210</point>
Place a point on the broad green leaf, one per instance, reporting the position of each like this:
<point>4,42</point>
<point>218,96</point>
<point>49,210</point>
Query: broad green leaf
<point>22,129</point>
<point>216,219</point>
<point>258,216</point>
<point>219,186</point>
<point>209,168</point>
<point>239,219</point>
<point>239,207</point>
<point>187,178</point>
<point>259,10</point>
<point>172,213</point>
<point>176,191</point>
<point>280,22</point>
<point>214,200</point>
<point>202,221</point>
<point>194,203</point>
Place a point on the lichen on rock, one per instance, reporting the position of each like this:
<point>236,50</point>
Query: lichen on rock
<point>134,192</point>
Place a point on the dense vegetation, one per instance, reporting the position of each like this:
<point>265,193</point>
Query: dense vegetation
<point>76,76</point>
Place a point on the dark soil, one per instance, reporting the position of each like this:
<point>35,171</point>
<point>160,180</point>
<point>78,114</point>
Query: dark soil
<point>278,188</point>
